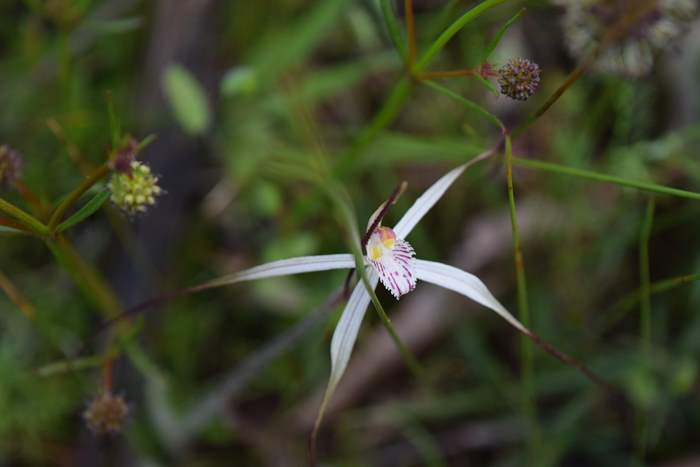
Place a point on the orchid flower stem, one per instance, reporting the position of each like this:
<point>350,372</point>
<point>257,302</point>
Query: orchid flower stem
<point>29,221</point>
<point>356,249</point>
<point>75,195</point>
<point>526,348</point>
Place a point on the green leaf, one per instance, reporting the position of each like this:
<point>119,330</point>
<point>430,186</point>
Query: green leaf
<point>240,80</point>
<point>499,35</point>
<point>187,99</point>
<point>467,103</point>
<point>86,211</point>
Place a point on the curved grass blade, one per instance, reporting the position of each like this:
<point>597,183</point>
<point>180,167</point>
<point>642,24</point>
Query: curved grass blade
<point>393,28</point>
<point>499,35</point>
<point>467,103</point>
<point>86,211</point>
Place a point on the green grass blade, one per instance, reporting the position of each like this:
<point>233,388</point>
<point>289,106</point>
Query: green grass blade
<point>604,178</point>
<point>473,106</point>
<point>86,211</point>
<point>393,27</point>
<point>453,29</point>
<point>499,35</point>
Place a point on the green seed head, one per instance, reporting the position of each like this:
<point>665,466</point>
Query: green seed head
<point>136,191</point>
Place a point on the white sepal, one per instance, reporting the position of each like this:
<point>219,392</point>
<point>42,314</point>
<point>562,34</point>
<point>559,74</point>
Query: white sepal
<point>287,267</point>
<point>465,284</point>
<point>346,330</point>
<point>426,201</point>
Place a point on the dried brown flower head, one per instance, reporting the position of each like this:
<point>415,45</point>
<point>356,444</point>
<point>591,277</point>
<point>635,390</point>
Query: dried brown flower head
<point>106,413</point>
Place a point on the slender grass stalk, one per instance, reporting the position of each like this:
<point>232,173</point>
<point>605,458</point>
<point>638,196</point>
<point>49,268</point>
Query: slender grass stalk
<point>645,287</point>
<point>620,309</point>
<point>100,173</point>
<point>29,221</point>
<point>467,103</point>
<point>393,27</point>
<point>526,347</point>
<point>643,413</point>
<point>383,118</point>
<point>604,178</point>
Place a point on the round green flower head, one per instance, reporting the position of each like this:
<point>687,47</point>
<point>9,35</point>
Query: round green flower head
<point>134,190</point>
<point>106,413</point>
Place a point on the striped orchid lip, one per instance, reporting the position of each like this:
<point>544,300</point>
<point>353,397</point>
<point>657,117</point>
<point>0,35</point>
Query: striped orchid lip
<point>393,259</point>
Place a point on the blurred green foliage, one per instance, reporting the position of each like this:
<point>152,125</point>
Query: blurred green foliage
<point>248,100</point>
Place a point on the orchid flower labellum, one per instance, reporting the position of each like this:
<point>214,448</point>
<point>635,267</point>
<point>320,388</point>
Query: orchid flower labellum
<point>393,260</point>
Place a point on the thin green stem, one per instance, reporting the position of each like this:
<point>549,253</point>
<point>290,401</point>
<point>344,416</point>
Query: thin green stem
<point>604,178</point>
<point>620,309</point>
<point>645,287</point>
<point>387,114</point>
<point>75,195</point>
<point>26,219</point>
<point>467,103</point>
<point>645,320</point>
<point>526,348</point>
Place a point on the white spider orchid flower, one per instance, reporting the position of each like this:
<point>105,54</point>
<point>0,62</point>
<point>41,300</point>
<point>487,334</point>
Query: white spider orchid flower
<point>392,260</point>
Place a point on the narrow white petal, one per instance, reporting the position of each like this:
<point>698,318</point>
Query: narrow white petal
<point>426,201</point>
<point>287,267</point>
<point>465,284</point>
<point>346,331</point>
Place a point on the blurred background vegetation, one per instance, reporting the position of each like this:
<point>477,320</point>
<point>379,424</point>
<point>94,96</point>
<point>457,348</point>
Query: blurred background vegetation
<point>245,99</point>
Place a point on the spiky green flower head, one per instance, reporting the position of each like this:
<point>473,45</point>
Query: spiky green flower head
<point>519,78</point>
<point>134,190</point>
<point>106,413</point>
<point>644,30</point>
<point>10,166</point>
